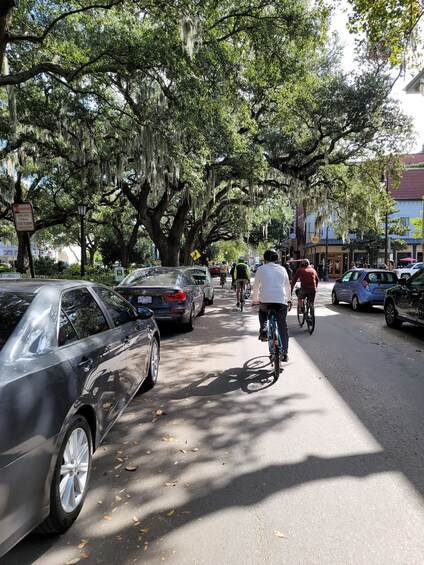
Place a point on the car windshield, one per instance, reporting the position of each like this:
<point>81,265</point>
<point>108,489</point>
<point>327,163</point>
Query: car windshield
<point>13,306</point>
<point>151,277</point>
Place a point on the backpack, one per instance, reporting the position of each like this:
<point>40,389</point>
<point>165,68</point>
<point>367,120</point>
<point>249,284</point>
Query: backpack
<point>242,271</point>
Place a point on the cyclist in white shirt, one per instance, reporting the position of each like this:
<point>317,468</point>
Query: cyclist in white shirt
<point>271,289</point>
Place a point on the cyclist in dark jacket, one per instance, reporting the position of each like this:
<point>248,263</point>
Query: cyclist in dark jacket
<point>241,276</point>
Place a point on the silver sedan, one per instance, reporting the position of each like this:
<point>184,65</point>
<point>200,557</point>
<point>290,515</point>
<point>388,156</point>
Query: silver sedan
<point>72,356</point>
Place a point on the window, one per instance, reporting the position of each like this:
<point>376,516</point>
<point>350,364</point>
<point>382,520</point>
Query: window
<point>405,223</point>
<point>118,309</point>
<point>12,307</point>
<point>83,312</point>
<point>67,332</point>
<point>346,277</point>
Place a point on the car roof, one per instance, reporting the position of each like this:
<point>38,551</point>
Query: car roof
<point>34,285</point>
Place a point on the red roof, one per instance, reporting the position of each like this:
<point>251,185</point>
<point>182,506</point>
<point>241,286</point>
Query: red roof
<point>411,185</point>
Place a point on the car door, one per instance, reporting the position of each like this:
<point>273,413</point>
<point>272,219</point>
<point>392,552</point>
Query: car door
<point>408,297</point>
<point>342,287</point>
<point>416,297</point>
<point>96,352</point>
<point>134,332</point>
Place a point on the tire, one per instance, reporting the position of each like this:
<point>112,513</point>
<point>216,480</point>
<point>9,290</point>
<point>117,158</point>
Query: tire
<point>334,299</point>
<point>300,315</point>
<point>153,371</point>
<point>276,358</point>
<point>241,304</point>
<point>355,304</point>
<point>390,315</point>
<point>202,309</point>
<point>70,478</point>
<point>310,317</point>
<point>189,326</point>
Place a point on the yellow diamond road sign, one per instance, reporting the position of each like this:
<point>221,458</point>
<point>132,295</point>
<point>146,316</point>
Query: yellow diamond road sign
<point>195,254</point>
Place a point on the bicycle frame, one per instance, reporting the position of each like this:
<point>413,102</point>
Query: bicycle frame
<point>275,344</point>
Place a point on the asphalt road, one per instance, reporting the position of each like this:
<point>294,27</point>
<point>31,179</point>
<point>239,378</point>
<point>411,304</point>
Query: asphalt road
<point>325,466</point>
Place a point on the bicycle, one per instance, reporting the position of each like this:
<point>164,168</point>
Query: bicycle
<point>306,313</point>
<point>275,344</point>
<point>223,278</point>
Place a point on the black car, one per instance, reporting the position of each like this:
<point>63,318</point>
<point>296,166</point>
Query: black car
<point>405,302</point>
<point>72,356</point>
<point>171,292</point>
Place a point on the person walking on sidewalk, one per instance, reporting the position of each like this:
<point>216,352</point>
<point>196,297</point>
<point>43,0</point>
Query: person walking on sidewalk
<point>308,278</point>
<point>271,290</point>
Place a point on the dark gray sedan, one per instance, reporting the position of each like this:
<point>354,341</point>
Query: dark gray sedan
<point>171,292</point>
<point>72,356</point>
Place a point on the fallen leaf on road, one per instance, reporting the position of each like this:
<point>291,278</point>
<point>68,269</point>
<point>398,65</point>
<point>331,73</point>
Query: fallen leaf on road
<point>195,449</point>
<point>131,467</point>
<point>183,451</point>
<point>144,530</point>
<point>136,521</point>
<point>119,459</point>
<point>159,412</point>
<point>106,517</point>
<point>73,561</point>
<point>84,555</point>
<point>278,534</point>
<point>170,513</point>
<point>118,498</point>
<point>83,543</point>
<point>171,484</point>
<point>169,438</point>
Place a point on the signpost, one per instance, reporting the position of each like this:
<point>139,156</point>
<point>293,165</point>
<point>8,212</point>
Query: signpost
<point>23,216</point>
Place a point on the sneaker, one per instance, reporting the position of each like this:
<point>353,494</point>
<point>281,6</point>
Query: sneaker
<point>238,304</point>
<point>263,336</point>
<point>284,357</point>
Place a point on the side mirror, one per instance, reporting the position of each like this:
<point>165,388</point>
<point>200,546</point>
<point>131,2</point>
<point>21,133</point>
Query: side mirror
<point>144,313</point>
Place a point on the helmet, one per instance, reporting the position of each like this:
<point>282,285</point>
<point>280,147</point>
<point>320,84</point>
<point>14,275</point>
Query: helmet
<point>241,260</point>
<point>271,255</point>
<point>305,263</point>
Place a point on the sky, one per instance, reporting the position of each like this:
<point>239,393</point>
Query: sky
<point>411,104</point>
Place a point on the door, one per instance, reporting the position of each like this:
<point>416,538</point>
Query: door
<point>96,352</point>
<point>133,332</point>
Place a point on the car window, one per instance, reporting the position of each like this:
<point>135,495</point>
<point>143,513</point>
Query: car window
<point>417,281</point>
<point>187,279</point>
<point>151,277</point>
<point>13,306</point>
<point>67,333</point>
<point>83,312</point>
<point>347,276</point>
<point>355,275</point>
<point>119,310</point>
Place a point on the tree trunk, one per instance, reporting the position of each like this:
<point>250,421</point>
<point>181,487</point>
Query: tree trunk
<point>22,252</point>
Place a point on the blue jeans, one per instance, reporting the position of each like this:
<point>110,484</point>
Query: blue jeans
<point>281,315</point>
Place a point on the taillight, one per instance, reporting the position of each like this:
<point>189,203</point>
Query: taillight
<point>177,296</point>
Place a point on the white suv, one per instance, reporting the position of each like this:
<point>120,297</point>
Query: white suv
<point>406,272</point>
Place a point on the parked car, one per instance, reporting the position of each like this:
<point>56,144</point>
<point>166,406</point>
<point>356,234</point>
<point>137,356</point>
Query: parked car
<point>171,292</point>
<point>363,287</point>
<point>204,279</point>
<point>72,356</point>
<point>405,302</point>
<point>215,270</point>
<point>406,272</point>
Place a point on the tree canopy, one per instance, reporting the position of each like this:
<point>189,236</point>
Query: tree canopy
<point>177,118</point>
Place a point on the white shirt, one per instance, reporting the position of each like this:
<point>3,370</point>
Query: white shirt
<point>271,284</point>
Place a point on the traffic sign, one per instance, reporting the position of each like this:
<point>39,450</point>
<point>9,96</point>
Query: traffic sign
<point>23,216</point>
<point>314,238</point>
<point>195,255</point>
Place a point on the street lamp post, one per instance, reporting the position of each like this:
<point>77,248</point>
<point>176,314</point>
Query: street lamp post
<point>385,183</point>
<point>82,209</point>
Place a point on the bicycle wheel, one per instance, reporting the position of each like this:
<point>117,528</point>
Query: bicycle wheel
<point>300,314</point>
<point>248,291</point>
<point>310,316</point>
<point>276,355</point>
<point>241,302</point>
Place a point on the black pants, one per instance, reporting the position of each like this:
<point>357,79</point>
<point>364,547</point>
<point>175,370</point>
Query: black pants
<point>281,315</point>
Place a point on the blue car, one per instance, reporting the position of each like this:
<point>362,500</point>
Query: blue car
<point>363,287</point>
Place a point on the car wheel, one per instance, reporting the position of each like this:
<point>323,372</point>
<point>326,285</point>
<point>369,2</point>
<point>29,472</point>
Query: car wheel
<point>152,373</point>
<point>390,315</point>
<point>334,299</point>
<point>71,477</point>
<point>189,326</point>
<point>355,303</point>
<point>211,300</point>
<point>202,309</point>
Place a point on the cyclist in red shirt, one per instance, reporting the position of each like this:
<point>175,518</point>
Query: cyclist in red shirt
<point>308,278</point>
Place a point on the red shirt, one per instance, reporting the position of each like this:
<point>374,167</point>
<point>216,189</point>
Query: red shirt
<point>308,279</point>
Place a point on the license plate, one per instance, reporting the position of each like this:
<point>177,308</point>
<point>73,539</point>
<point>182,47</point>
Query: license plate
<point>144,299</point>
